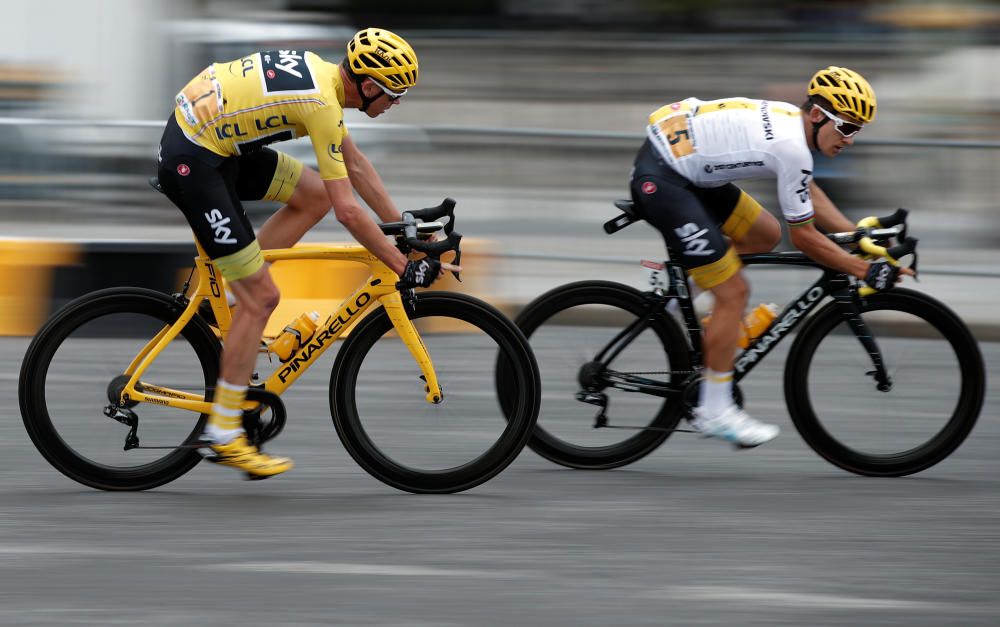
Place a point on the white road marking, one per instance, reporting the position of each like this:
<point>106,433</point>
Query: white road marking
<point>340,568</point>
<point>757,596</point>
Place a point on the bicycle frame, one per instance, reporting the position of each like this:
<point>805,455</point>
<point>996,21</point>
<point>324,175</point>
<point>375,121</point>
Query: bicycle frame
<point>831,283</point>
<point>379,287</point>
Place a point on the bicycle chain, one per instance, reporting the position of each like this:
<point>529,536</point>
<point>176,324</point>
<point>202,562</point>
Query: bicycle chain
<point>664,372</point>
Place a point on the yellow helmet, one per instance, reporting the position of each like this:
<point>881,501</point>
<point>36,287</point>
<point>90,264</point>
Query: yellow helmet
<point>846,90</point>
<point>384,57</point>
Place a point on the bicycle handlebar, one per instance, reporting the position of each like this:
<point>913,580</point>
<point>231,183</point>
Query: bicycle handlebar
<point>873,232</point>
<point>873,228</point>
<point>425,221</point>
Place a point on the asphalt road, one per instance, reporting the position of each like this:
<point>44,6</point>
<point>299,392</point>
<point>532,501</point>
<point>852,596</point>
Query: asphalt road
<point>697,533</point>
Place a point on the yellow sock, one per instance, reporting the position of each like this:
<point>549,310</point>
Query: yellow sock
<point>226,420</point>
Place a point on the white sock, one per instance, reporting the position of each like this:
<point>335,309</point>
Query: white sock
<point>716,393</point>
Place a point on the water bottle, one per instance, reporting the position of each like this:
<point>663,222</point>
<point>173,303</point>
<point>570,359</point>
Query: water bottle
<point>754,323</point>
<point>757,321</point>
<point>295,335</point>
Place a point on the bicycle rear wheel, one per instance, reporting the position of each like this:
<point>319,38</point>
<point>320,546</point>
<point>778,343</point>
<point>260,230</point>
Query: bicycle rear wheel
<point>567,327</point>
<point>377,396</point>
<point>937,376</point>
<point>70,371</point>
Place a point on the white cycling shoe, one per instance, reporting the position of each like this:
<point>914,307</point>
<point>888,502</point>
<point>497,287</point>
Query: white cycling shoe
<point>733,425</point>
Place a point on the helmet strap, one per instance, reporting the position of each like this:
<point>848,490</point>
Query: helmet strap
<point>816,127</point>
<point>365,100</point>
<point>358,79</point>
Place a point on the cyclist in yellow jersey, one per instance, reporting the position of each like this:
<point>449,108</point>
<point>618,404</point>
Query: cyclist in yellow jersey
<point>214,154</point>
<point>682,184</point>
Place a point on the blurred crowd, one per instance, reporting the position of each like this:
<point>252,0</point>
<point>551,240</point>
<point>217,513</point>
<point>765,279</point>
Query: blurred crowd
<point>574,65</point>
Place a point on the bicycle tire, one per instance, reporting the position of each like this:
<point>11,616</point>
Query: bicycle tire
<point>657,418</point>
<point>53,388</point>
<point>472,329</point>
<point>904,323</point>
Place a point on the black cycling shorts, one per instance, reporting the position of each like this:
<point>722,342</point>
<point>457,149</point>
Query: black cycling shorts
<point>208,188</point>
<point>694,221</point>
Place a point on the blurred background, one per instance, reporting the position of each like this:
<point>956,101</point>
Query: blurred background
<point>528,113</point>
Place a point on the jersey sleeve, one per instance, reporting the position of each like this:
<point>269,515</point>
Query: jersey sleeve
<point>326,130</point>
<point>794,169</point>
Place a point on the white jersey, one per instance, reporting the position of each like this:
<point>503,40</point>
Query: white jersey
<point>713,142</point>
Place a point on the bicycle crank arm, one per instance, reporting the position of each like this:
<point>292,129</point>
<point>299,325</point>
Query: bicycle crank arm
<point>259,429</point>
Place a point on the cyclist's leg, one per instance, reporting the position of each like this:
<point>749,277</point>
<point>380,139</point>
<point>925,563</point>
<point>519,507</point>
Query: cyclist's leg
<point>206,195</point>
<point>695,238</point>
<point>271,175</point>
<point>743,219</point>
<point>696,241</point>
<point>258,296</point>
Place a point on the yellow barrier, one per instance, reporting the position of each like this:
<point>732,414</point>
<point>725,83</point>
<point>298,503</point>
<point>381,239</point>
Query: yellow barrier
<point>311,284</point>
<point>27,268</point>
<point>26,271</point>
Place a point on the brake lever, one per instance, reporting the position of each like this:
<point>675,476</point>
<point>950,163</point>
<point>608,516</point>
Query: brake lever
<point>458,262</point>
<point>409,298</point>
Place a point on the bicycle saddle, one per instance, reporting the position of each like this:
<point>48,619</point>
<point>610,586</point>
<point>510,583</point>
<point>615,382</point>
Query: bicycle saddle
<point>628,216</point>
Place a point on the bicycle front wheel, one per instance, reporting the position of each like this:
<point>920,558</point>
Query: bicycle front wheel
<point>73,369</point>
<point>937,385</point>
<point>567,327</point>
<point>377,396</point>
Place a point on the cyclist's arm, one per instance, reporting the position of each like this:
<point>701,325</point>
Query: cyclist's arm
<point>360,224</point>
<point>802,211</point>
<point>828,217</point>
<point>819,248</point>
<point>368,183</point>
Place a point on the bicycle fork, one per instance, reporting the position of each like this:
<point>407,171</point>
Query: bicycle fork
<point>857,324</point>
<point>394,307</point>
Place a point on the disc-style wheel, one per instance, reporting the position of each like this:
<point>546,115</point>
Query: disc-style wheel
<point>567,328</point>
<point>377,396</point>
<point>936,389</point>
<point>73,370</point>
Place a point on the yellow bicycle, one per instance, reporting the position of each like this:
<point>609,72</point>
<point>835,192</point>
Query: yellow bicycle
<point>115,388</point>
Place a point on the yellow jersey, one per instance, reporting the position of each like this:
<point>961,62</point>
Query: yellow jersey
<point>239,106</point>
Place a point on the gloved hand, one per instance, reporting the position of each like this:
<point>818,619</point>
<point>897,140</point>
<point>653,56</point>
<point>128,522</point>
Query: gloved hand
<point>419,273</point>
<point>881,275</point>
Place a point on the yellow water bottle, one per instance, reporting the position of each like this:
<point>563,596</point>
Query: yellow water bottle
<point>295,335</point>
<point>757,321</point>
<point>754,323</point>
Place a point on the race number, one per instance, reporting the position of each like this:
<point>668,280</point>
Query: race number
<point>675,130</point>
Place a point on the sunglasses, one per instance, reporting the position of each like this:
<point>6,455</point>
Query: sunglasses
<point>845,128</point>
<point>393,95</point>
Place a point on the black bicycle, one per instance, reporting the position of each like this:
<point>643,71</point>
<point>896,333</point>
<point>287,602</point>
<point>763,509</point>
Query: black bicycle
<point>880,384</point>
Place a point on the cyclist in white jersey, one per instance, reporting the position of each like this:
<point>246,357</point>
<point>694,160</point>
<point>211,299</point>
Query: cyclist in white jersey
<point>682,184</point>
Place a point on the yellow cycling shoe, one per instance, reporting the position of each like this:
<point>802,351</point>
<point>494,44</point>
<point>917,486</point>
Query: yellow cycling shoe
<point>242,455</point>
